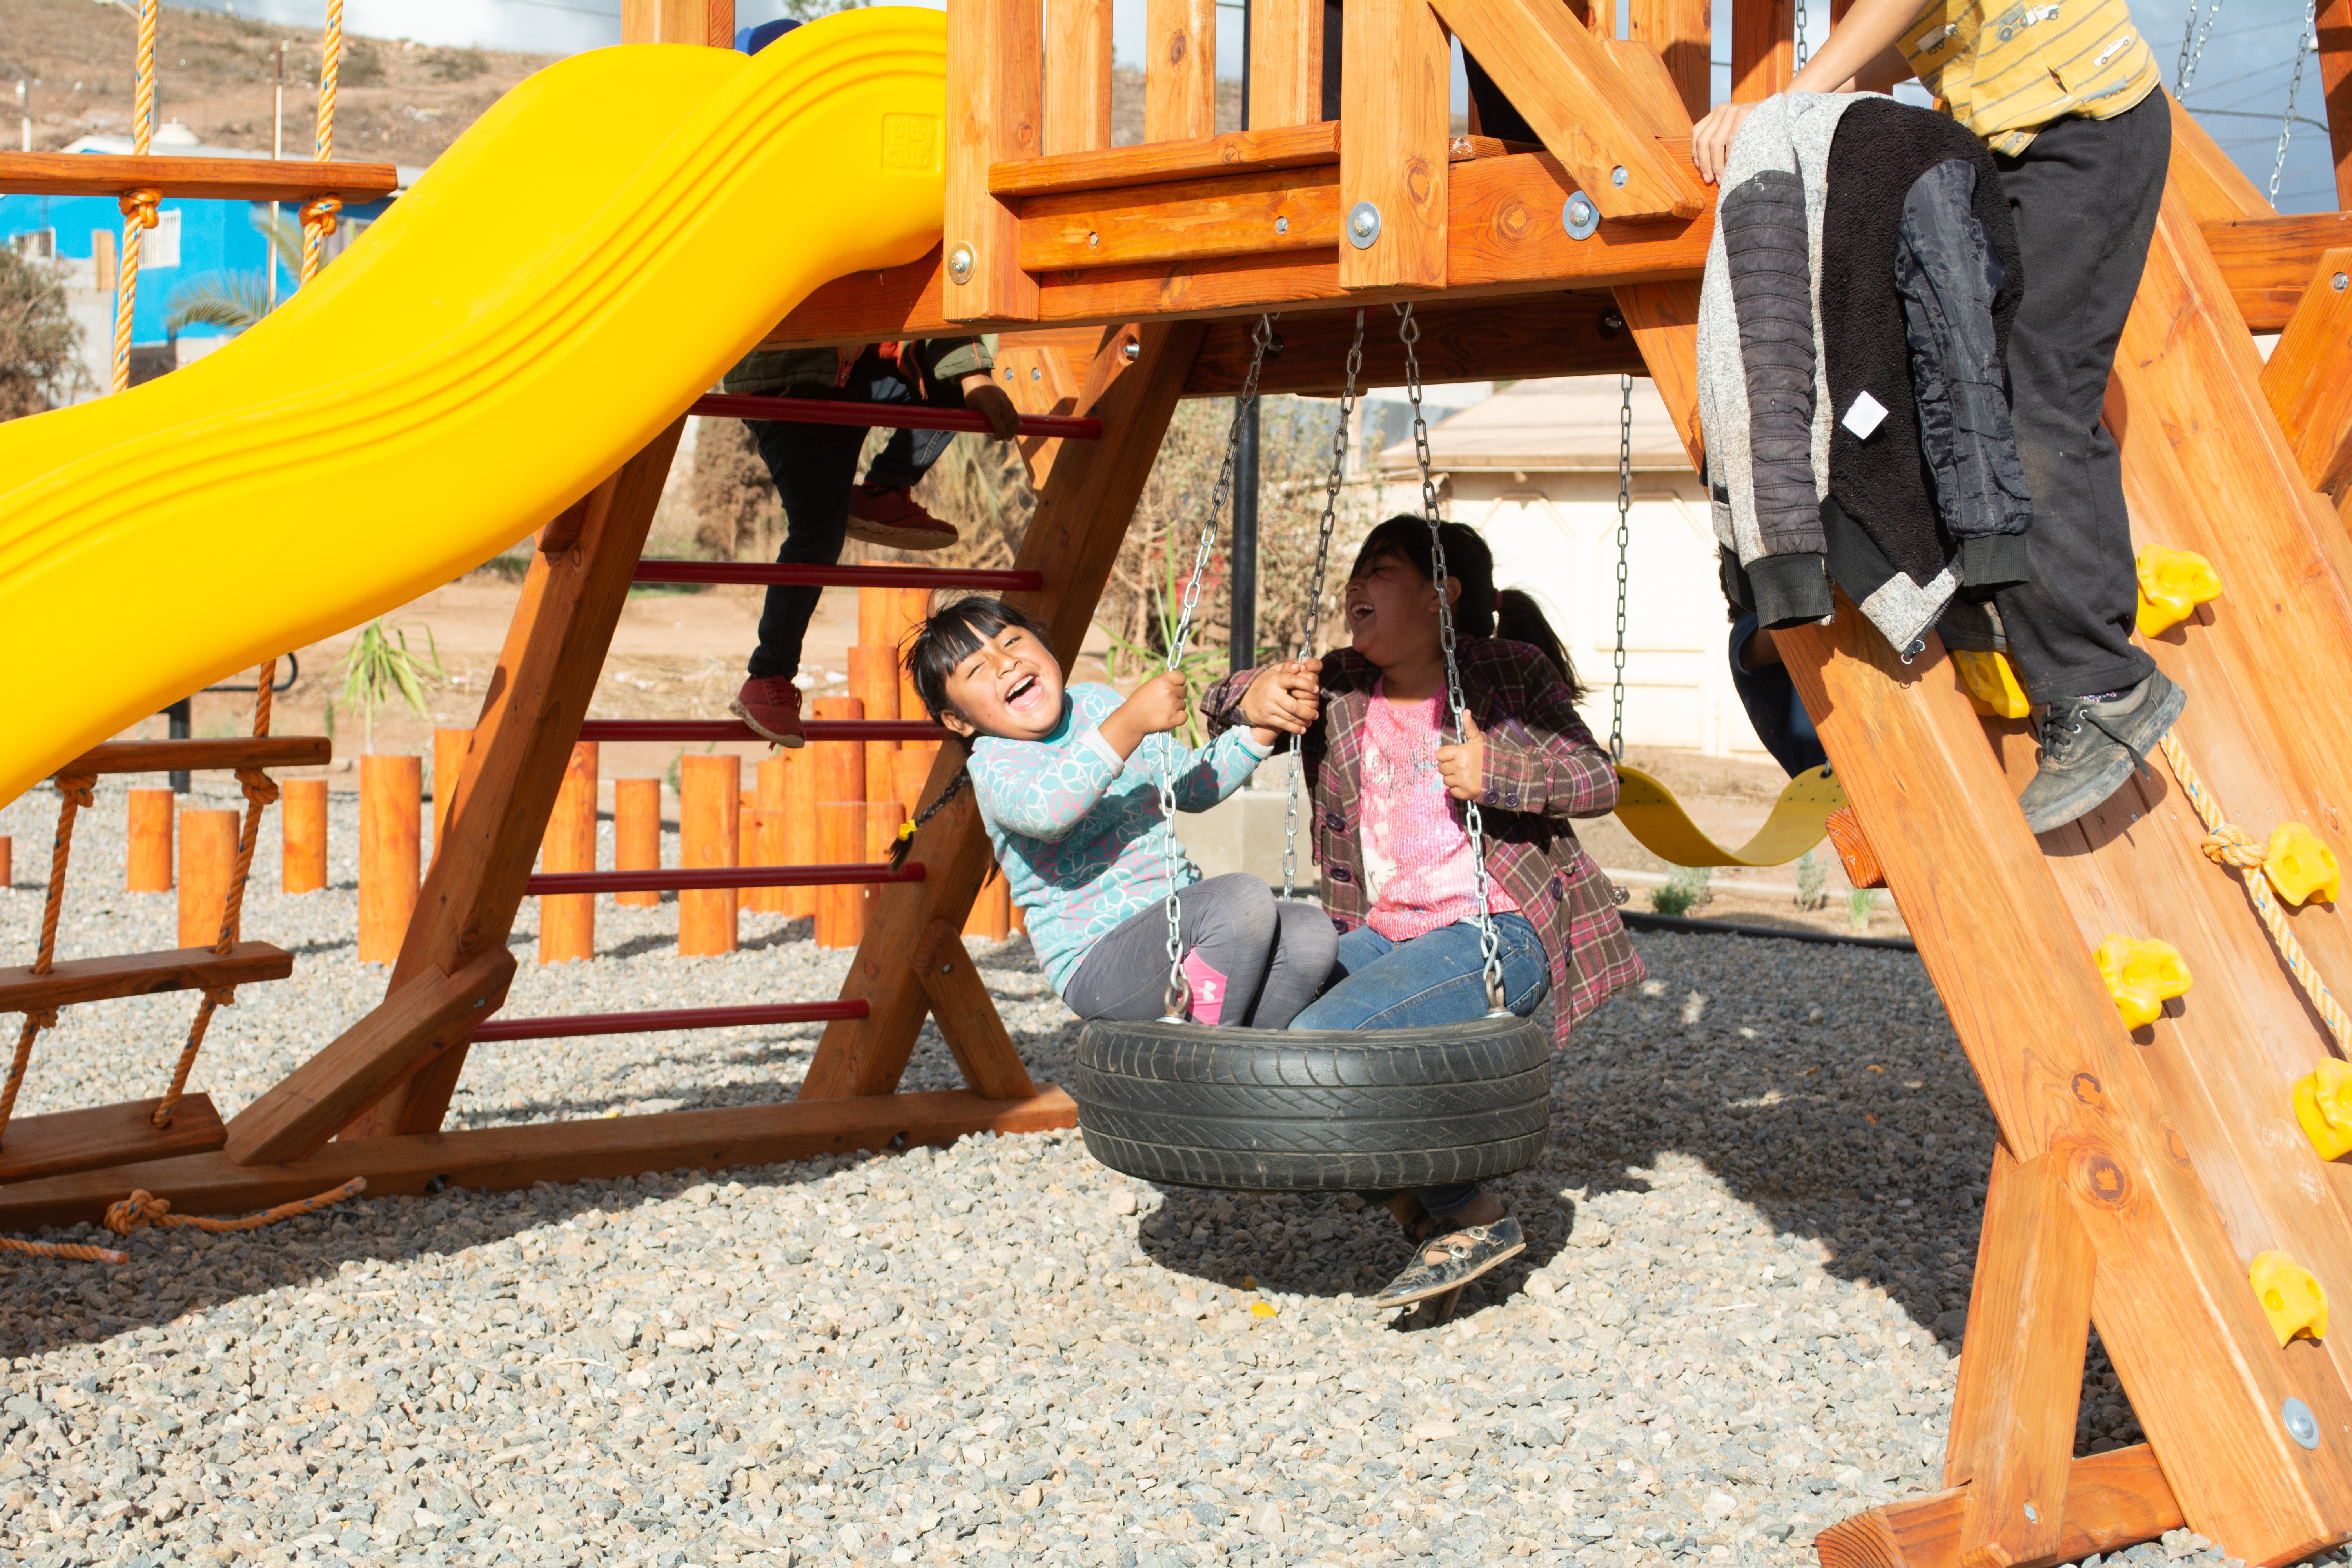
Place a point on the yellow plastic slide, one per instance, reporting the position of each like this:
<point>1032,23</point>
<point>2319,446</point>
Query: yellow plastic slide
<point>586,261</point>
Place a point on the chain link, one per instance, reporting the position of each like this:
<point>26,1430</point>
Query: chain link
<point>1180,994</point>
<point>1624,544</point>
<point>1315,594</point>
<point>1489,941</point>
<point>1802,53</point>
<point>2192,47</point>
<point>2303,45</point>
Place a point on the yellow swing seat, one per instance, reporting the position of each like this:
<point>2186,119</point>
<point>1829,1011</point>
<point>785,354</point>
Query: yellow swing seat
<point>1660,825</point>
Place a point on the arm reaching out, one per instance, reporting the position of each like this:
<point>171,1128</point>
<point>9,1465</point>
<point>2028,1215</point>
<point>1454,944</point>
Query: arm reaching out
<point>1861,52</point>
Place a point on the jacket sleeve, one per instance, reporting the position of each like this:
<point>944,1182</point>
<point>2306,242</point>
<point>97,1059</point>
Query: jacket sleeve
<point>1221,705</point>
<point>949,359</point>
<point>1540,758</point>
<point>1038,791</point>
<point>1207,775</point>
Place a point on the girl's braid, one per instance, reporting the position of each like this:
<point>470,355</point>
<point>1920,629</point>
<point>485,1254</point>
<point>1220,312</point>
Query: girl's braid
<point>906,839</point>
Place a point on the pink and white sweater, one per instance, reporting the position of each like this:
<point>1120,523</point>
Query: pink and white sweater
<point>1417,864</point>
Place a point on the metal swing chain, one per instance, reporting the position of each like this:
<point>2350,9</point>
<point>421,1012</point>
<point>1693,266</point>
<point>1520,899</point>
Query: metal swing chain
<point>2302,46</point>
<point>1489,941</point>
<point>1802,53</point>
<point>1624,543</point>
<point>1315,594</point>
<point>2192,47</point>
<point>1180,994</point>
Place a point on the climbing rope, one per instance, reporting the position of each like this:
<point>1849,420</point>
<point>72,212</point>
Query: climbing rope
<point>142,1209</point>
<point>75,789</point>
<point>138,206</point>
<point>319,215</point>
<point>2227,844</point>
<point>1307,635</point>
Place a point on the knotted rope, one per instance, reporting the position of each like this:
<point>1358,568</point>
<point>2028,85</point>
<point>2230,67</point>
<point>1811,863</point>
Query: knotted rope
<point>144,1209</point>
<point>74,791</point>
<point>2227,844</point>
<point>138,206</point>
<point>319,217</point>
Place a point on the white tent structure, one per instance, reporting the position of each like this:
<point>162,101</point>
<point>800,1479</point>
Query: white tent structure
<point>1534,469</point>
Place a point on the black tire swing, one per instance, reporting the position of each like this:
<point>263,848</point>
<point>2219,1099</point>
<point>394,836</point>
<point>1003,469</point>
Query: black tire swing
<point>1308,1110</point>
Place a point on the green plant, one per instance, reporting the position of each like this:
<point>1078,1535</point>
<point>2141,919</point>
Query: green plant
<point>40,342</point>
<point>1812,880</point>
<point>1859,904</point>
<point>1687,888</point>
<point>1131,659</point>
<point>380,667</point>
<point>235,301</point>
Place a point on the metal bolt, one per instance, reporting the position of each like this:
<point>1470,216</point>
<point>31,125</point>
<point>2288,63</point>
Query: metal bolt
<point>1617,176</point>
<point>1282,225</point>
<point>2338,282</point>
<point>1363,225</point>
<point>1093,242</point>
<point>1579,217</point>
<point>1008,372</point>
<point>1131,352</point>
<point>2300,1424</point>
<point>1035,373</point>
<point>960,261</point>
<point>2032,1517</point>
<point>482,1000</point>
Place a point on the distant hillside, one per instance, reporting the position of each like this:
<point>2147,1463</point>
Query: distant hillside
<point>396,102</point>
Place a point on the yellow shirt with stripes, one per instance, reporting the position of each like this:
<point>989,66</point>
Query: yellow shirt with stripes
<point>2005,73</point>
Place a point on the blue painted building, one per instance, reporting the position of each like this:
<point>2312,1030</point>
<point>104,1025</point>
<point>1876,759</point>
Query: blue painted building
<point>192,242</point>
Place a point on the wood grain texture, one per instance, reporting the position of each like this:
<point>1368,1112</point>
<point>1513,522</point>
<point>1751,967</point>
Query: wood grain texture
<point>392,807</point>
<point>1763,49</point>
<point>2206,177</point>
<point>547,670</point>
<point>102,1135</point>
<point>302,835</point>
<point>1652,99</point>
<point>1077,77</point>
<point>207,862</point>
<point>1179,69</point>
<point>501,1159</point>
<point>1286,66</point>
<point>1682,33</point>
<point>1088,495</point>
<point>1565,81</point>
<point>1505,340</point>
<point>2113,1501</point>
<point>993,117</point>
<point>1161,162</point>
<point>2307,379</point>
<point>193,179</point>
<point>1272,213</point>
<point>567,921</point>
<point>1393,85</point>
<point>710,22</point>
<point>202,756</point>
<point>2333,23</point>
<point>2268,261</point>
<point>966,1015</point>
<point>2021,1383</point>
<point>73,981</point>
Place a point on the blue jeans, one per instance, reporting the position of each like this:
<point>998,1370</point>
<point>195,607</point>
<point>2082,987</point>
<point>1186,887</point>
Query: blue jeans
<point>1438,978</point>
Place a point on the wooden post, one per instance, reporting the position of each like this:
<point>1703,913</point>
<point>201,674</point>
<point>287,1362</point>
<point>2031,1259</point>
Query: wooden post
<point>1394,148</point>
<point>207,862</point>
<point>1078,76</point>
<point>1682,33</point>
<point>991,911</point>
<point>910,770</point>
<point>914,609</point>
<point>1763,49</point>
<point>841,840</point>
<point>302,835</point>
<point>448,765</point>
<point>148,856</point>
<point>706,22</point>
<point>636,834</point>
<point>766,844</point>
<point>883,818</point>
<point>993,115</point>
<point>8,862</point>
<point>874,682</point>
<point>567,921</point>
<point>709,801</point>
<point>1179,69</point>
<point>391,791</point>
<point>2305,376</point>
<point>800,828</point>
<point>1285,65</point>
<point>840,765</point>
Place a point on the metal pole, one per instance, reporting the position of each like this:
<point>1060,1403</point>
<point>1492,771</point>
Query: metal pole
<point>1241,619</point>
<point>181,728</point>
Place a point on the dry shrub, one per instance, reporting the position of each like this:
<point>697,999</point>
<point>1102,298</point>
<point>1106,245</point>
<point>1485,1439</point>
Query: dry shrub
<point>39,342</point>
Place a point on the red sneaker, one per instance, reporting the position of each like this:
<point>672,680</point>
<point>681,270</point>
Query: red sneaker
<point>896,520</point>
<point>771,706</point>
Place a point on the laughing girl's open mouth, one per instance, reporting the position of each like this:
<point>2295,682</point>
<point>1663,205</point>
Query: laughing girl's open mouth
<point>1022,693</point>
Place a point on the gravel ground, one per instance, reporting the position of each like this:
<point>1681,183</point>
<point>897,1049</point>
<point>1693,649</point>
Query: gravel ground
<point>1735,1323</point>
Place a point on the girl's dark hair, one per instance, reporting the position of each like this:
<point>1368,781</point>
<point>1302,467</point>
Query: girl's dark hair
<point>943,640</point>
<point>1517,618</point>
<point>1467,560</point>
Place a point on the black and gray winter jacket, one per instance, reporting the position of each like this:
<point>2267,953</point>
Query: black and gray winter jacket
<point>1853,395</point>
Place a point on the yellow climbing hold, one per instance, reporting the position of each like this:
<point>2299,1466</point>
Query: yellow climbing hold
<point>1990,683</point>
<point>1262,1310</point>
<point>2141,973</point>
<point>2291,1299</point>
<point>2323,1103</point>
<point>2173,583</point>
<point>2301,865</point>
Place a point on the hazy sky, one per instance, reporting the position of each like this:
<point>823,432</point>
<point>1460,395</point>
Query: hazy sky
<point>2238,88</point>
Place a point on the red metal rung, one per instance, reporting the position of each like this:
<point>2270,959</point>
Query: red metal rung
<point>893,416</point>
<point>662,881</point>
<point>670,1019</point>
<point>663,571</point>
<point>736,730</point>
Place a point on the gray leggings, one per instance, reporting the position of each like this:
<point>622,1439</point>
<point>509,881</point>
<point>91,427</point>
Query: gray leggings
<point>1253,959</point>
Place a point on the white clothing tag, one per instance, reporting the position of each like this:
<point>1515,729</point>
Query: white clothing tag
<point>1865,416</point>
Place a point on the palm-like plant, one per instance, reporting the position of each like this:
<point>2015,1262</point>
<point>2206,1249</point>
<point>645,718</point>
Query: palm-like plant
<point>379,668</point>
<point>235,301</point>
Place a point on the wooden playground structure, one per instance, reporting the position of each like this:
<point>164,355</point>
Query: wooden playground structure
<point>2140,1173</point>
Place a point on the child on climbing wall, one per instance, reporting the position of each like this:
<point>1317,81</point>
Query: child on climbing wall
<point>1068,788</point>
<point>2069,103</point>
<point>815,468</point>
<point>1387,782</point>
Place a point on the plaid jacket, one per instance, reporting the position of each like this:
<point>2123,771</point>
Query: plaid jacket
<point>1543,767</point>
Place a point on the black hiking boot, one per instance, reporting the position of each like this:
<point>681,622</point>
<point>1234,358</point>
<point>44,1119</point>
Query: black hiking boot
<point>2089,749</point>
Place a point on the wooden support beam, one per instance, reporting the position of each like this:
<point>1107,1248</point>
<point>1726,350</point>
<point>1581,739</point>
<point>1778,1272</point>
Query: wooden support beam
<point>2305,376</point>
<point>1285,74</point>
<point>1179,69</point>
<point>501,1159</point>
<point>1160,162</point>
<point>1512,340</point>
<point>1077,77</point>
<point>2267,262</point>
<point>1652,99</point>
<point>1083,507</point>
<point>966,1015</point>
<point>200,756</point>
<point>1682,32</point>
<point>1282,211</point>
<point>1763,49</point>
<point>1393,151</point>
<point>66,1141</point>
<point>2333,22</point>
<point>2113,1501</point>
<point>706,22</point>
<point>2207,178</point>
<point>993,115</point>
<point>1565,81</point>
<point>2020,1387</point>
<point>193,179</point>
<point>78,980</point>
<point>564,622</point>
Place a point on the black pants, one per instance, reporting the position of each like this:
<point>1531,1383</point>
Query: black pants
<point>815,468</point>
<point>2084,194</point>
